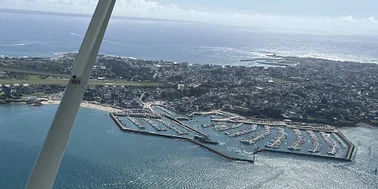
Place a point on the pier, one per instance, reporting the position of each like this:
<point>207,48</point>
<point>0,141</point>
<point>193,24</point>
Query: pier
<point>123,128</point>
<point>299,140</point>
<point>237,133</point>
<point>316,145</point>
<point>260,136</point>
<point>186,126</point>
<point>143,113</point>
<point>276,142</point>
<point>172,127</point>
<point>154,125</point>
<point>324,128</point>
<point>342,143</point>
<point>332,148</point>
<point>136,122</point>
<point>166,111</point>
<point>222,128</point>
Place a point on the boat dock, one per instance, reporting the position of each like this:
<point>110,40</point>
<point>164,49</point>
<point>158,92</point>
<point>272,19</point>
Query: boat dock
<point>276,142</point>
<point>316,146</point>
<point>154,125</point>
<point>237,133</point>
<point>299,140</point>
<point>332,148</point>
<point>260,136</point>
<point>136,122</point>
<point>166,111</point>
<point>323,128</point>
<point>342,143</point>
<point>123,128</point>
<point>186,126</point>
<point>172,127</point>
<point>144,113</point>
<point>221,128</point>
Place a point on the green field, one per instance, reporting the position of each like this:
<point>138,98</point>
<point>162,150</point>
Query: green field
<point>35,80</point>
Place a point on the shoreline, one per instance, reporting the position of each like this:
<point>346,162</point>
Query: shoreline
<point>85,104</point>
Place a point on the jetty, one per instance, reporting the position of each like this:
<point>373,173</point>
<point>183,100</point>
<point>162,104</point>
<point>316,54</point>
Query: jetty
<point>351,147</point>
<point>302,154</point>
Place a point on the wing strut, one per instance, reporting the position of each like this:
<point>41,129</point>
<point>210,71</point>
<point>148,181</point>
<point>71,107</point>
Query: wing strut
<point>49,159</point>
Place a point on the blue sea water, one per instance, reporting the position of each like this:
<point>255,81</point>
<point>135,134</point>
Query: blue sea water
<point>47,35</point>
<point>99,155</point>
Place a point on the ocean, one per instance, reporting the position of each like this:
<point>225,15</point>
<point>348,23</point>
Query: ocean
<point>50,35</point>
<point>98,155</point>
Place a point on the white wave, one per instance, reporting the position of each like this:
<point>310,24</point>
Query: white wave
<point>60,54</point>
<point>13,44</point>
<point>104,40</point>
<point>75,34</point>
<point>111,42</point>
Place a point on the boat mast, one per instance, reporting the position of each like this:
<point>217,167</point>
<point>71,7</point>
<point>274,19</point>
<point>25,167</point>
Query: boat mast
<point>49,159</point>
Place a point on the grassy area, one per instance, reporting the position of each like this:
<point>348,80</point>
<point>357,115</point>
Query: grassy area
<point>35,80</point>
<point>31,72</point>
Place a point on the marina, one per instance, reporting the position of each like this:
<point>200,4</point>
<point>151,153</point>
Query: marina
<point>240,137</point>
<point>122,127</point>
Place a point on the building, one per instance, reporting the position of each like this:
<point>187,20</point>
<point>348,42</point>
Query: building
<point>180,86</point>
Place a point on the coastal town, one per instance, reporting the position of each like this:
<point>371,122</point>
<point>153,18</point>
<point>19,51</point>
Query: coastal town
<point>286,106</point>
<point>299,89</point>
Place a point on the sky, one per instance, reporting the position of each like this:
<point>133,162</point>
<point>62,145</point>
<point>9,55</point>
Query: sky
<point>327,16</point>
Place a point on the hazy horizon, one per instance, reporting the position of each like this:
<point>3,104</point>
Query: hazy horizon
<point>336,17</point>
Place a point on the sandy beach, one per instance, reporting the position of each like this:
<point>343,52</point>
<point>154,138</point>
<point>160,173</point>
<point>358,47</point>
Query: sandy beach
<point>86,104</point>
